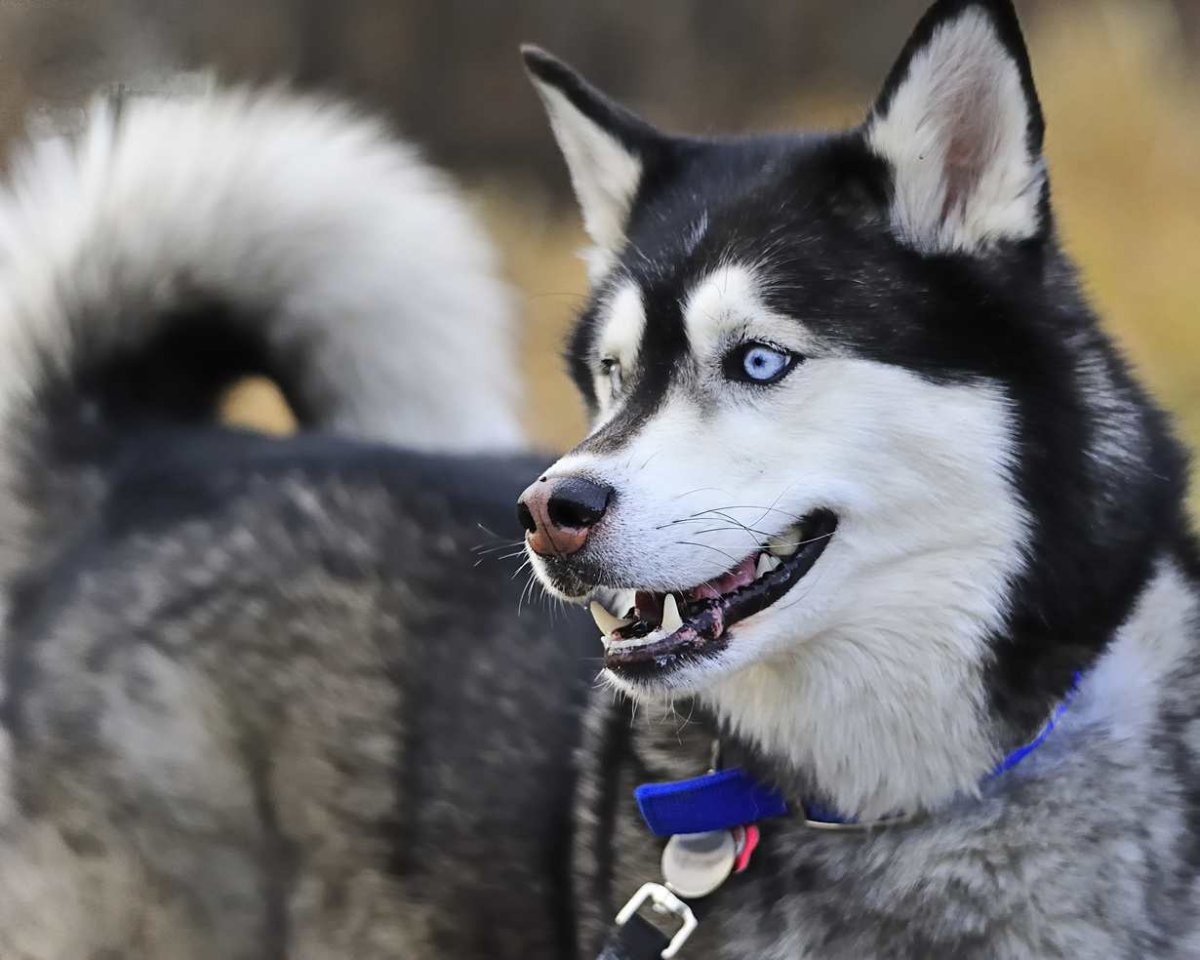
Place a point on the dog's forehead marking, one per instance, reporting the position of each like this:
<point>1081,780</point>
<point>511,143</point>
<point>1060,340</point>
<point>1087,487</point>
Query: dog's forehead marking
<point>727,297</point>
<point>622,326</point>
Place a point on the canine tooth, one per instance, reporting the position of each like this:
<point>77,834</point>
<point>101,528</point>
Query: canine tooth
<point>671,620</point>
<point>605,620</point>
<point>766,564</point>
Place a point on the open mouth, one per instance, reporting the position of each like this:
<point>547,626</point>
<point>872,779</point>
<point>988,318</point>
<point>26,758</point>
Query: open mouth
<point>657,630</point>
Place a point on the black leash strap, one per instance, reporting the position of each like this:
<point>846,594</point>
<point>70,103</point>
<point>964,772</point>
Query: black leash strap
<point>636,939</point>
<point>633,937</point>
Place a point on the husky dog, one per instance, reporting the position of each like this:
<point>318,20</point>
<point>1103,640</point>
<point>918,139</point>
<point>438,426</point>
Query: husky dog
<point>262,697</point>
<point>870,499</point>
<point>870,504</point>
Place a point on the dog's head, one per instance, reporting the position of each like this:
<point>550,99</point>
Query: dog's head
<point>847,406</point>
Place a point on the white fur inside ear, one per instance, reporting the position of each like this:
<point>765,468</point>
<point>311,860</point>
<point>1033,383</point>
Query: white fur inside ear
<point>955,134</point>
<point>604,172</point>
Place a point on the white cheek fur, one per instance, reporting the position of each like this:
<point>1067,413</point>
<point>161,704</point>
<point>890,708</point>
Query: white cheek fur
<point>881,648</point>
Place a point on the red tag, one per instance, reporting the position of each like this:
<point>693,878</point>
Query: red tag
<point>747,842</point>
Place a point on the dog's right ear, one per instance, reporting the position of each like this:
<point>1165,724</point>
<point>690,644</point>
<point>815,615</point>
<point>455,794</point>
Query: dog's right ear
<point>606,147</point>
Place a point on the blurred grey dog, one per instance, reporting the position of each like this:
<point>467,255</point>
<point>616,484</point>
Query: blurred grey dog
<point>260,696</point>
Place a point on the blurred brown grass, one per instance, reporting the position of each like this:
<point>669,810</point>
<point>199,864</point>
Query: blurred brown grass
<point>1124,153</point>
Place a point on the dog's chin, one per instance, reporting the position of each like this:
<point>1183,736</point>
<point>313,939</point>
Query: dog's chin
<point>559,582</point>
<point>657,642</point>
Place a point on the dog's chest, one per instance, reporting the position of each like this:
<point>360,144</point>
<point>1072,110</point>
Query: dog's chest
<point>1030,872</point>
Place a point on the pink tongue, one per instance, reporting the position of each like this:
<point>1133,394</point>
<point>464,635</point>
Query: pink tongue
<point>738,577</point>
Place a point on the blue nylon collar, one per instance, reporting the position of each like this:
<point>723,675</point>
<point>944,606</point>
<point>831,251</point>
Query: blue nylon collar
<point>717,801</point>
<point>733,798</point>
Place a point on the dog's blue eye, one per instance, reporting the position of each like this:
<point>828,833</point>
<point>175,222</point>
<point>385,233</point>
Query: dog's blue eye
<point>758,363</point>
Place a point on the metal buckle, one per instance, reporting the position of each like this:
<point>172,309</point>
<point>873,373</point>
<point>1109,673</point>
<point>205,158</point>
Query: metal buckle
<point>663,901</point>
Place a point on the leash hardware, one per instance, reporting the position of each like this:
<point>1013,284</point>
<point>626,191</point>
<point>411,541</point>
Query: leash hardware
<point>854,827</point>
<point>663,901</point>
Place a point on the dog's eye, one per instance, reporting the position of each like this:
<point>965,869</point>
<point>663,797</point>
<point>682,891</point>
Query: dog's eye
<point>758,363</point>
<point>611,368</point>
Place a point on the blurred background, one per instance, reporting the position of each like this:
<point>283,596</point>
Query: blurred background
<point>1120,81</point>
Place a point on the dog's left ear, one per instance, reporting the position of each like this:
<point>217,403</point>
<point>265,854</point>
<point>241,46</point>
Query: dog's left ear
<point>960,126</point>
<point>606,147</point>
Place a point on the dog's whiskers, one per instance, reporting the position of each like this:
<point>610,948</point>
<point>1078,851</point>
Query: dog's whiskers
<point>691,543</point>
<point>689,493</point>
<point>720,527</point>
<point>526,591</point>
<point>774,503</point>
<point>724,512</point>
<point>506,545</point>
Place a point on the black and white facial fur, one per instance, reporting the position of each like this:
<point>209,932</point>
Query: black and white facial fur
<point>869,344</point>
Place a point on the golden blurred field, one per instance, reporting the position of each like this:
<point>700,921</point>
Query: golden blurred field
<point>1123,108</point>
<point>1124,152</point>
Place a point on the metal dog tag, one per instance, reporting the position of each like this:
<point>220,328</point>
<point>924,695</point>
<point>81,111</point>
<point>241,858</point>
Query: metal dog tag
<point>696,864</point>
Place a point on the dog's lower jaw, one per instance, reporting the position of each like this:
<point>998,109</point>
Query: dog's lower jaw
<point>867,684</point>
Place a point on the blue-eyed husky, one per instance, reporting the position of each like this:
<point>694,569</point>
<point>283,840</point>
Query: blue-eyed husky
<point>886,545</point>
<point>871,499</point>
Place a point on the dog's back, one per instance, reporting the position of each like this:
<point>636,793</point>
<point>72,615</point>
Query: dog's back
<point>256,713</point>
<point>237,668</point>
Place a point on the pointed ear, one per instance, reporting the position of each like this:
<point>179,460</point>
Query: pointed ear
<point>960,126</point>
<point>606,147</point>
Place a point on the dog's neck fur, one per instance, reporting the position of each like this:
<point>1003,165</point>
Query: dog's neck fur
<point>1123,691</point>
<point>874,737</point>
<point>920,740</point>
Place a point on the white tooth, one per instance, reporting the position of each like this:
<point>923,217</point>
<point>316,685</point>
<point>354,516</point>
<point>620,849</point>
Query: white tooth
<point>636,642</point>
<point>625,601</point>
<point>787,545</point>
<point>671,620</point>
<point>605,620</point>
<point>766,564</point>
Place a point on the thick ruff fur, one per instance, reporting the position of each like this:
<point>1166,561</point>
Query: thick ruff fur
<point>1010,525</point>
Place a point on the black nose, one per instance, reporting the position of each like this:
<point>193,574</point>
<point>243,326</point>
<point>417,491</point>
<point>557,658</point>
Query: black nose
<point>558,514</point>
<point>579,503</point>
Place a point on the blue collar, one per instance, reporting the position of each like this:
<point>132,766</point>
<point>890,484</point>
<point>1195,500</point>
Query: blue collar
<point>733,798</point>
